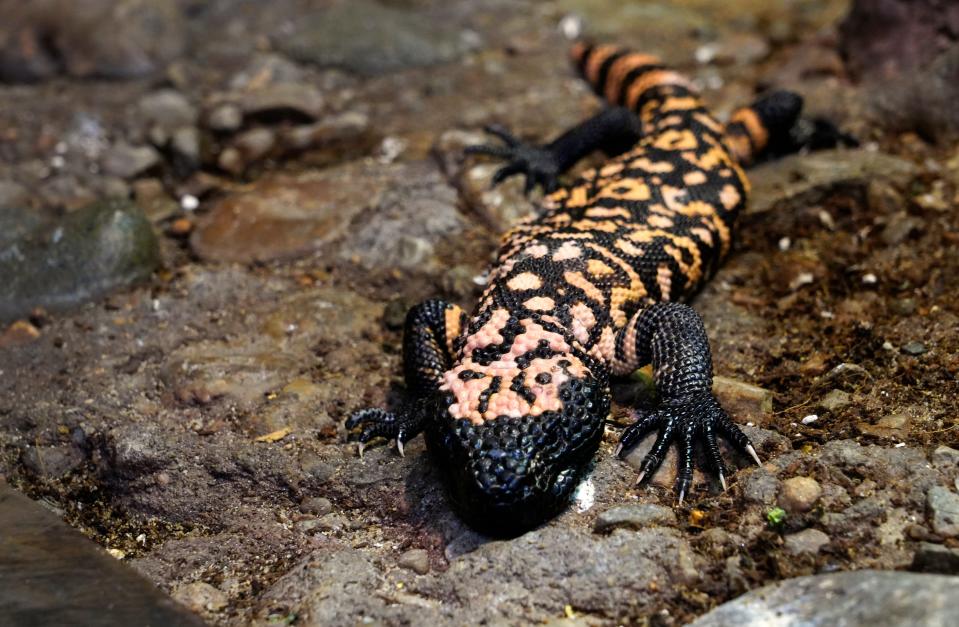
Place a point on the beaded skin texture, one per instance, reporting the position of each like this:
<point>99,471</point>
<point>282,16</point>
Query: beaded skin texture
<point>513,399</point>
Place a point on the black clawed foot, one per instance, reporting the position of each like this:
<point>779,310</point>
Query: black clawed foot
<point>698,417</point>
<point>369,424</point>
<point>819,134</point>
<point>539,165</point>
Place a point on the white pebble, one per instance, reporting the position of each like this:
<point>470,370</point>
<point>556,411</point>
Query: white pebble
<point>870,279</point>
<point>826,219</point>
<point>811,418</point>
<point>828,315</point>
<point>571,26</point>
<point>887,345</point>
<point>188,202</point>
<point>585,495</point>
<point>900,445</point>
<point>785,243</point>
<point>705,54</point>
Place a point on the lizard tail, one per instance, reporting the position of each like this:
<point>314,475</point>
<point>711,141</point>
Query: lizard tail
<point>763,127</point>
<point>627,78</point>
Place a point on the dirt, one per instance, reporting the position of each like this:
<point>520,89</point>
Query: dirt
<point>192,421</point>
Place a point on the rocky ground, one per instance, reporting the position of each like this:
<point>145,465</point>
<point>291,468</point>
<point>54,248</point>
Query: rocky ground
<point>214,215</point>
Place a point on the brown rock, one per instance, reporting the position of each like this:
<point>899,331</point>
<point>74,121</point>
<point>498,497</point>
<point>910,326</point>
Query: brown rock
<point>749,403</point>
<point>287,216</point>
<point>799,494</point>
<point>20,332</point>
<point>417,560</point>
<point>200,596</point>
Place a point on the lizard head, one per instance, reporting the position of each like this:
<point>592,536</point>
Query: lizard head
<point>516,464</point>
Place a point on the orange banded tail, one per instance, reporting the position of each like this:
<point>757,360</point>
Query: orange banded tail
<point>763,125</point>
<point>623,77</point>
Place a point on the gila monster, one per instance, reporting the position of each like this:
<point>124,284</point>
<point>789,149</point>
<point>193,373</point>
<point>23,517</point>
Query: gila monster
<point>513,399</point>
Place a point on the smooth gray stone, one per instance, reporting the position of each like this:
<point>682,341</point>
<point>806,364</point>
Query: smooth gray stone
<point>50,574</point>
<point>82,256</point>
<point>868,597</point>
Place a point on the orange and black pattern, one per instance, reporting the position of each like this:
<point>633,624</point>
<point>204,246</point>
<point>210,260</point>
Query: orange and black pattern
<point>514,398</point>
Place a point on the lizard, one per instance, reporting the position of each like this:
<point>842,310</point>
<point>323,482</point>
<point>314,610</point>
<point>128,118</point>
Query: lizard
<point>513,399</point>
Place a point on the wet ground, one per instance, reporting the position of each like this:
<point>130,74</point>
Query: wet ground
<point>287,180</point>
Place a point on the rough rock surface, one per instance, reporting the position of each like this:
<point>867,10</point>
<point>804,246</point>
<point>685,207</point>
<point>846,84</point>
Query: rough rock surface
<point>860,598</point>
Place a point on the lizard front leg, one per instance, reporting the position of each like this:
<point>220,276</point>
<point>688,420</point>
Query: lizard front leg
<point>671,336</point>
<point>614,130</point>
<point>428,336</point>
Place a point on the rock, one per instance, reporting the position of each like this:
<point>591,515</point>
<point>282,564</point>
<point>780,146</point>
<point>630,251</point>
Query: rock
<point>893,427</point>
<point>248,147</point>
<point>13,194</point>
<point>52,462</point>
<point>152,197</point>
<point>417,560</point>
<point>185,143</point>
<point>128,161</point>
<point>866,597</point>
<point>83,256</point>
<point>54,571</point>
<point>634,516</point>
<point>743,400</point>
<point>19,333</point>
<point>404,227</point>
<point>761,486</point>
<point>943,508</point>
<point>799,494</point>
<point>297,100</point>
<point>884,38</point>
<point>835,400</point>
<point>807,541</point>
<point>225,118</point>
<point>945,458</point>
<point>899,227</point>
<point>914,348</point>
<point>936,558</point>
<point>339,128</point>
<point>317,505</point>
<point>804,180</point>
<point>369,38</point>
<point>167,110</point>
<point>332,522</point>
<point>285,216</point>
<point>201,597</point>
<point>95,38</point>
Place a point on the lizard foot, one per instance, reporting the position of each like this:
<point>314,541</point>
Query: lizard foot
<point>369,424</point>
<point>685,420</point>
<point>538,164</point>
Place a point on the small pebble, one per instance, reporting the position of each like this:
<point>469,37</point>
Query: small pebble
<point>808,420</point>
<point>316,505</point>
<point>943,507</point>
<point>200,596</point>
<point>914,348</point>
<point>835,400</point>
<point>181,227</point>
<point>189,203</point>
<point>634,516</point>
<point>806,541</point>
<point>417,560</point>
<point>799,494</point>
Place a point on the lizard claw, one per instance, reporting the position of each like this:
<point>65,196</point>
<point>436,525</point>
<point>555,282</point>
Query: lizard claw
<point>697,417</point>
<point>538,164</point>
<point>369,424</point>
